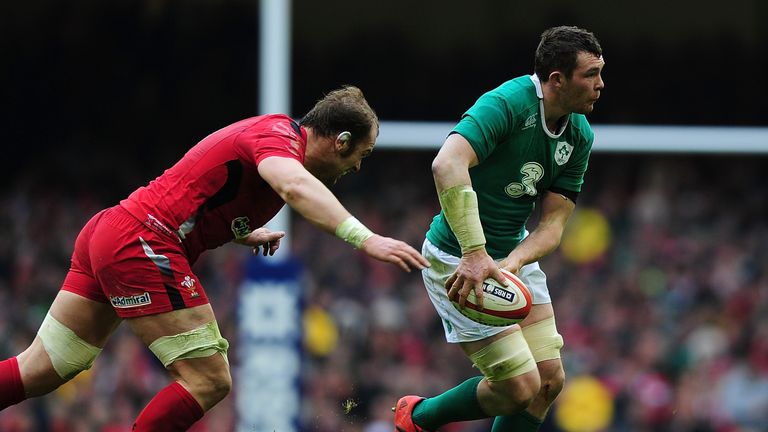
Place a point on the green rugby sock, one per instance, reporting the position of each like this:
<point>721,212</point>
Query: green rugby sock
<point>520,422</point>
<point>457,404</point>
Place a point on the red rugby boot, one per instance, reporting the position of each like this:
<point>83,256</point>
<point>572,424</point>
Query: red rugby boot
<point>403,412</point>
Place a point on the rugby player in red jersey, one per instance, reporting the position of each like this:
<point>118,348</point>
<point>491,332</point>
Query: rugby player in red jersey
<point>133,261</point>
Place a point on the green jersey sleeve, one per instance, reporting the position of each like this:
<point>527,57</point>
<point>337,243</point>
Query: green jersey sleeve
<point>485,124</point>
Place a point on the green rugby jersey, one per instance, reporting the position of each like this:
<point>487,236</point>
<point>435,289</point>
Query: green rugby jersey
<point>519,159</point>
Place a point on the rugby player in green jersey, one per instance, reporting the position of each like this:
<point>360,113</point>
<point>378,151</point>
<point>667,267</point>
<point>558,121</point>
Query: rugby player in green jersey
<point>524,142</point>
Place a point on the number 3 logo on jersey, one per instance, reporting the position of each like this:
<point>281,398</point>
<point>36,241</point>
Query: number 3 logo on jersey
<point>532,172</point>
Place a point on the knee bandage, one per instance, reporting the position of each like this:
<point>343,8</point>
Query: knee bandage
<point>504,358</point>
<point>69,354</point>
<point>203,341</point>
<point>543,339</point>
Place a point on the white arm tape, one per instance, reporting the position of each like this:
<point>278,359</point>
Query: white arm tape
<point>459,205</point>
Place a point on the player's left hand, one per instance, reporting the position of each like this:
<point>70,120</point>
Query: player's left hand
<point>263,238</point>
<point>511,265</point>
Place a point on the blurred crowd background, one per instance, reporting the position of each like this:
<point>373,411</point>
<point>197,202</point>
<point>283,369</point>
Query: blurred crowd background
<point>660,285</point>
<point>660,289</point>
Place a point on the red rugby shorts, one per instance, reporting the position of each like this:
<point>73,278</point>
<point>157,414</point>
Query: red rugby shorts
<point>120,261</point>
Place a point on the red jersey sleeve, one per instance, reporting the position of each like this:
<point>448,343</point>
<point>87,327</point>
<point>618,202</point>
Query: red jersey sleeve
<point>275,136</point>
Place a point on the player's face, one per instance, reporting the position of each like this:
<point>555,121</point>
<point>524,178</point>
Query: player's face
<point>352,162</point>
<point>582,90</point>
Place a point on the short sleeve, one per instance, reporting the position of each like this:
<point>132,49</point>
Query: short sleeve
<point>281,138</point>
<point>485,124</point>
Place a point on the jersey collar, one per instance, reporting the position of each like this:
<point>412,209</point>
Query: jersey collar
<point>540,95</point>
<point>537,85</point>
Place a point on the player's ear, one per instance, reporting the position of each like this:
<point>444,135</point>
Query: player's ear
<point>556,78</point>
<point>343,141</point>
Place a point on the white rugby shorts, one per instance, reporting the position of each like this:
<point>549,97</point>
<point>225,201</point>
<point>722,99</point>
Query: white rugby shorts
<point>459,328</point>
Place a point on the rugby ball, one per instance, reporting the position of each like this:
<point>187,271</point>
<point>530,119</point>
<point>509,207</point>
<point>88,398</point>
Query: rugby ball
<point>502,305</point>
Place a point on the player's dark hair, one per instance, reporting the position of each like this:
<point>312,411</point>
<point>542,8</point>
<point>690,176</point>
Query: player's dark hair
<point>559,48</point>
<point>344,109</point>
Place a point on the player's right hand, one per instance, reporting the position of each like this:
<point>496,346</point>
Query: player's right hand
<point>394,251</point>
<point>263,238</point>
<point>474,268</point>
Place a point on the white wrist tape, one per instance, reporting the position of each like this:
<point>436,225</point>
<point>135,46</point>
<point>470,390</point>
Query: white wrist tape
<point>353,232</point>
<point>459,205</point>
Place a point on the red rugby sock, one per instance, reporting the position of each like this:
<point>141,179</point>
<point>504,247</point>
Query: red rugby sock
<point>11,387</point>
<point>173,409</point>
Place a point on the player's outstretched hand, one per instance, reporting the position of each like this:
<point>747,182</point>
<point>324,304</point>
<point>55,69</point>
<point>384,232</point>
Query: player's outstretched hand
<point>474,268</point>
<point>394,251</point>
<point>263,238</point>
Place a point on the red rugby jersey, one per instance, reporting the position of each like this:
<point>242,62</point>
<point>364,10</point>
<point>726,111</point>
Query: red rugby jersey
<point>215,191</point>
